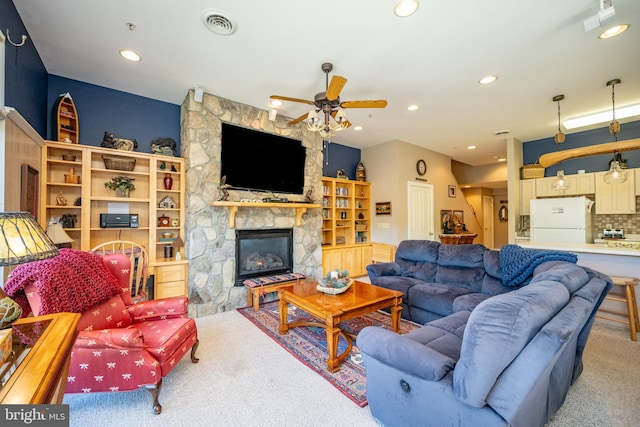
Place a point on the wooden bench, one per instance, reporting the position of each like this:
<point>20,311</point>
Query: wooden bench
<point>629,297</point>
<point>255,292</point>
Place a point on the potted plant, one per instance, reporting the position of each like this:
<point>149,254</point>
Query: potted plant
<point>122,184</point>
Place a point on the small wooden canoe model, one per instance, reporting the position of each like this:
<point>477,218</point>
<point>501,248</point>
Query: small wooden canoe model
<point>65,120</point>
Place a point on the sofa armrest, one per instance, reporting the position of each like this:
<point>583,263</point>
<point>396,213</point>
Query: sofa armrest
<point>404,354</point>
<point>116,338</point>
<point>383,269</point>
<point>164,308</point>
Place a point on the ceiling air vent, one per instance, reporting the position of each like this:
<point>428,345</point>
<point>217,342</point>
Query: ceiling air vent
<point>218,21</point>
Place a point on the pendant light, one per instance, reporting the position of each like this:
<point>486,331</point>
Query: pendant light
<point>561,183</point>
<point>616,174</point>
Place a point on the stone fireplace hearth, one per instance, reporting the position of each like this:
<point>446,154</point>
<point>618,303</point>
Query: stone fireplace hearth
<point>211,242</point>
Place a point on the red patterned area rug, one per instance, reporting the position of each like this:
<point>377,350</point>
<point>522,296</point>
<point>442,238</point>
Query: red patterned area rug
<point>309,344</point>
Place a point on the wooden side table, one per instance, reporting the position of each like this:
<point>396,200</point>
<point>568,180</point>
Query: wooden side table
<point>36,372</point>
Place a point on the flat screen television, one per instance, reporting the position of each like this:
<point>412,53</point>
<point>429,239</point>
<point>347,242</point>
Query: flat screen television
<point>263,162</point>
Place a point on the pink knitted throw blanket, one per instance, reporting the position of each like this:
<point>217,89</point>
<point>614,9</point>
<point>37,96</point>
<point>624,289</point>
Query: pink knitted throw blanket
<point>72,281</point>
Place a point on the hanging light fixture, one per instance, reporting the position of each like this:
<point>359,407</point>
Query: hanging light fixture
<point>334,121</point>
<point>616,174</point>
<point>561,183</point>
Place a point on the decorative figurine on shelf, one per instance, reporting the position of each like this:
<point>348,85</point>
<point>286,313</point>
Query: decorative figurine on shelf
<point>77,201</point>
<point>166,146</point>
<point>167,203</point>
<point>361,173</point>
<point>308,196</point>
<point>223,187</point>
<point>173,168</point>
<point>341,174</point>
<point>163,166</point>
<point>60,200</point>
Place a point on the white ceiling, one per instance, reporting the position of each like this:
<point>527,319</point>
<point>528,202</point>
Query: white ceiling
<point>538,49</point>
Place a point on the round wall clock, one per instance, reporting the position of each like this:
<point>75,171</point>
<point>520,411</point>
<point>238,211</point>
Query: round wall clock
<point>421,167</point>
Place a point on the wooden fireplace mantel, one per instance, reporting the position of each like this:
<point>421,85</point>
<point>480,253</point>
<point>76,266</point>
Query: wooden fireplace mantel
<point>233,207</point>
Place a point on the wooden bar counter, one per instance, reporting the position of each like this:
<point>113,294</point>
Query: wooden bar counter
<point>458,239</point>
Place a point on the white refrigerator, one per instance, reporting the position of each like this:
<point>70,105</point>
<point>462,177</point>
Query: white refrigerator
<point>564,219</point>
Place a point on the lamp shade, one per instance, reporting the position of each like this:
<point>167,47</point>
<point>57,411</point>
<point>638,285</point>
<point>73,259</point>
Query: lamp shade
<point>57,234</point>
<point>23,240</point>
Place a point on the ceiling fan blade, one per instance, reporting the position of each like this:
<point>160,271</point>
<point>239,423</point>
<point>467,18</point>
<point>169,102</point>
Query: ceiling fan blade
<point>380,103</point>
<point>299,119</point>
<point>335,87</point>
<point>286,98</point>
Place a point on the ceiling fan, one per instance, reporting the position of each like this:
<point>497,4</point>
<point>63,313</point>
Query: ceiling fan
<point>328,102</point>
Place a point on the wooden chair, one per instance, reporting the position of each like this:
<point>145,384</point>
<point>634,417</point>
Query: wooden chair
<point>139,264</point>
<point>629,298</point>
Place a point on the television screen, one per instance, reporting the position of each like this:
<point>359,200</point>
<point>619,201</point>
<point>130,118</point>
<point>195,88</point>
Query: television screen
<point>260,161</point>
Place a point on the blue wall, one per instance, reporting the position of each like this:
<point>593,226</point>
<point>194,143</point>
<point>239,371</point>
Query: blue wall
<point>336,157</point>
<point>25,75</point>
<point>125,115</point>
<point>532,150</point>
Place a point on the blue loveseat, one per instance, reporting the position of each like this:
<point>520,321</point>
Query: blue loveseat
<point>488,354</point>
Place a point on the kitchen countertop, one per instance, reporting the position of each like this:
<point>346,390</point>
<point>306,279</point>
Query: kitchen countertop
<point>594,248</point>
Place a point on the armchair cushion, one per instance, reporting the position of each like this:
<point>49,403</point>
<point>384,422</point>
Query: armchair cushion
<point>163,308</point>
<point>110,314</point>
<point>110,338</point>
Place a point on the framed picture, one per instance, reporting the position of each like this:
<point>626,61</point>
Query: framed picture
<point>460,216</point>
<point>452,191</point>
<point>383,208</point>
<point>444,218</point>
<point>29,190</point>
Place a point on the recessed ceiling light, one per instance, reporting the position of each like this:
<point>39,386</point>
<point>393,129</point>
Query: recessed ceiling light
<point>502,159</point>
<point>276,103</point>
<point>488,79</point>
<point>406,8</point>
<point>413,107</point>
<point>357,128</point>
<point>614,31</point>
<point>130,55</point>
<point>502,132</point>
<point>471,147</point>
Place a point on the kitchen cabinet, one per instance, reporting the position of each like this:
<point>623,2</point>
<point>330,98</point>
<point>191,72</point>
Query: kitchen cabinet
<point>615,198</point>
<point>637,178</point>
<point>527,192</point>
<point>580,184</point>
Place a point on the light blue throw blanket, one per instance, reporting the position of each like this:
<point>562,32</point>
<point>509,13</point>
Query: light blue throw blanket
<point>517,264</point>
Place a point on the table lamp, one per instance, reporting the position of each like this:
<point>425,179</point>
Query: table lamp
<point>58,236</point>
<point>177,244</point>
<point>21,240</point>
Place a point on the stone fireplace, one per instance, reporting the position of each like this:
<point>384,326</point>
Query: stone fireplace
<point>211,241</point>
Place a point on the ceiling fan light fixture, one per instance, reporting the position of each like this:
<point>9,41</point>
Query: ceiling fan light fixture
<point>406,8</point>
<point>616,30</point>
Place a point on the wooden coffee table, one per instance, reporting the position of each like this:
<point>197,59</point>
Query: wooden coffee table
<point>360,299</point>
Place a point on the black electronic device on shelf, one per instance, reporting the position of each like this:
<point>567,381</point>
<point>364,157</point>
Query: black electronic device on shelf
<point>275,200</point>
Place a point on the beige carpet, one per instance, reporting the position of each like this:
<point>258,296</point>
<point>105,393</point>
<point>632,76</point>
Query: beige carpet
<point>244,378</point>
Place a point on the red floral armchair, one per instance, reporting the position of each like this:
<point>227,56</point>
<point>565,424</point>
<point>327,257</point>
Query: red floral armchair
<point>121,346</point>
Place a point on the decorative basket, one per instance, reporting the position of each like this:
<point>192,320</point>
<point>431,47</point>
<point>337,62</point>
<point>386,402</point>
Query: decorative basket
<point>532,171</point>
<point>119,163</point>
<point>70,178</point>
<point>334,291</point>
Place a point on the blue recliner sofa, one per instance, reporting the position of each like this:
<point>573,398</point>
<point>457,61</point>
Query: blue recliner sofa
<point>494,352</point>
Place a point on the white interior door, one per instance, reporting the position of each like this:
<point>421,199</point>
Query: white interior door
<point>487,219</point>
<point>420,209</point>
